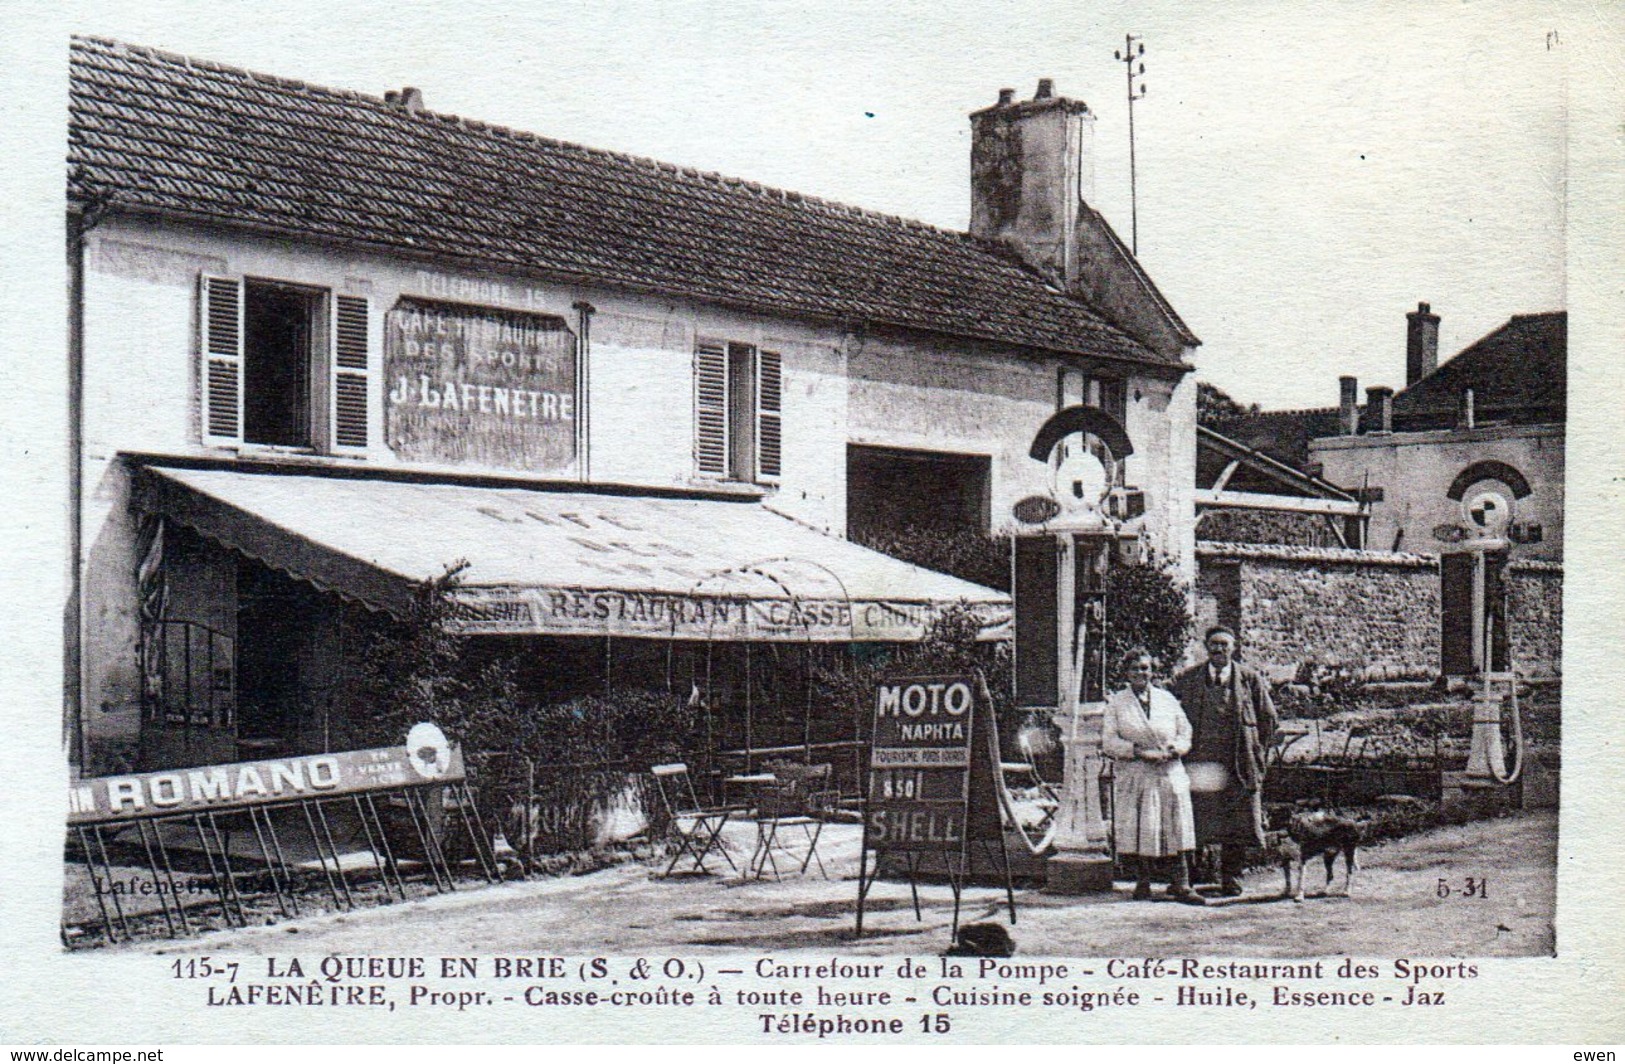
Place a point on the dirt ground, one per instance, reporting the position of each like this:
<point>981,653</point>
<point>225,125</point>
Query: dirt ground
<point>1396,910</point>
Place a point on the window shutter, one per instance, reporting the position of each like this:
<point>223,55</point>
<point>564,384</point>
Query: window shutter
<point>350,373</point>
<point>221,314</point>
<point>711,410</point>
<point>769,415</point>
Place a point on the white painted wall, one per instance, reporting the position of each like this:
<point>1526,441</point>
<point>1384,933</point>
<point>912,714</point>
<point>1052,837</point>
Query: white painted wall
<point>816,424</point>
<point>641,376</point>
<point>1167,427</point>
<point>965,400</point>
<point>941,397</point>
<point>141,395</point>
<point>1415,471</point>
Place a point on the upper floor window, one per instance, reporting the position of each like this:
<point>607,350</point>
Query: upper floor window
<point>279,350</point>
<point>738,415</point>
<point>284,365</point>
<point>1079,388</point>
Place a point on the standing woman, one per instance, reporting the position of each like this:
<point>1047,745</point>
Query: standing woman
<point>1146,732</point>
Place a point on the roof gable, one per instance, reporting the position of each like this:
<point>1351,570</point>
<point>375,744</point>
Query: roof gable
<point>1283,434</point>
<point>1148,290</point>
<point>159,133</point>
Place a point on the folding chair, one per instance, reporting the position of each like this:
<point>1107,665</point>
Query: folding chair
<point>1041,797</point>
<point>796,803</point>
<point>696,829</point>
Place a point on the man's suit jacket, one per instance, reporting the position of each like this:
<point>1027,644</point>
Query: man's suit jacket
<point>1256,717</point>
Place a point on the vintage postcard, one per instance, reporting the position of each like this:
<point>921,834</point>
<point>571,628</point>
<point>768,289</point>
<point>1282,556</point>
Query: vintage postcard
<point>813,524</point>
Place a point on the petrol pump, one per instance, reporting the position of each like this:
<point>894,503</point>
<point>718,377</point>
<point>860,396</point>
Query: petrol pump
<point>1472,569</point>
<point>1060,560</point>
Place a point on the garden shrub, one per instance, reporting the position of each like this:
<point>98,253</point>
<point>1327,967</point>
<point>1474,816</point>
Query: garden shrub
<point>965,553</point>
<point>417,668</point>
<point>565,762</point>
<point>951,646</point>
<point>1147,606</point>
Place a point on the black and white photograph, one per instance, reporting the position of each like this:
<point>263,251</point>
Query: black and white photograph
<point>821,523</point>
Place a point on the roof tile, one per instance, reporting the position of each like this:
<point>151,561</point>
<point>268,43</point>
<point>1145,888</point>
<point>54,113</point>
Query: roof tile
<point>200,140</point>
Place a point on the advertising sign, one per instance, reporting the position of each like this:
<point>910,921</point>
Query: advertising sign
<point>566,610</point>
<point>479,386</point>
<point>933,788</point>
<point>425,760</point>
<point>919,771</point>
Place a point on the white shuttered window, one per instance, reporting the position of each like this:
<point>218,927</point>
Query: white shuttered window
<point>270,373</point>
<point>769,416</point>
<point>350,381</point>
<point>738,412</point>
<point>711,410</point>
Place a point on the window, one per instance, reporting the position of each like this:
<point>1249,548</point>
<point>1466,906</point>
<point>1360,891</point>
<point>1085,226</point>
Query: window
<point>738,416</point>
<point>278,348</point>
<point>284,365</point>
<point>890,491</point>
<point>1078,388</point>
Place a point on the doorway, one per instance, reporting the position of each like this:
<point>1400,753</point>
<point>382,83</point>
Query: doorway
<point>1472,606</point>
<point>275,617</point>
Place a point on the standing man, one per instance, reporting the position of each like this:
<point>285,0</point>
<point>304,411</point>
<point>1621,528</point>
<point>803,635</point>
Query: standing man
<point>1232,720</point>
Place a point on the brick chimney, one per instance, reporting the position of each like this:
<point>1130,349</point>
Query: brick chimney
<point>1348,408</point>
<point>1421,343</point>
<point>1032,166</point>
<point>1379,409</point>
<point>407,99</point>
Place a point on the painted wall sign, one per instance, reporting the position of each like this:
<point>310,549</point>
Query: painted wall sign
<point>1035,509</point>
<point>206,788</point>
<point>479,386</point>
<point>666,615</point>
<point>1449,533</point>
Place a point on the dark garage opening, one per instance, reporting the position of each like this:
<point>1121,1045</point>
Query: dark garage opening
<point>890,490</point>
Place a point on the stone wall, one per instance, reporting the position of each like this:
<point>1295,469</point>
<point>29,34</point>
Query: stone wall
<point>1535,609</point>
<point>1374,613</point>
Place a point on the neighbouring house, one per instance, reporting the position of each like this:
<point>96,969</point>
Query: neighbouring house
<point>326,345</point>
<point>1459,480</point>
<point>1470,445</point>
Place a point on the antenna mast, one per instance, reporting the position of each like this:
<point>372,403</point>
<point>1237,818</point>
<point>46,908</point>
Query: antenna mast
<point>1131,58</point>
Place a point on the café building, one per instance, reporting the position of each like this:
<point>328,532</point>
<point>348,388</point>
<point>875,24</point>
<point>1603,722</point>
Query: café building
<point>327,346</point>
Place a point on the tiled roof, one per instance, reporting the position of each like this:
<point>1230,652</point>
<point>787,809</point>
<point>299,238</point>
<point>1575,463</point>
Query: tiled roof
<point>1518,374</point>
<point>163,134</point>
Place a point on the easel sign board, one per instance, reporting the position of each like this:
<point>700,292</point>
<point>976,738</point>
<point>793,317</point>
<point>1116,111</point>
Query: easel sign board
<point>919,768</point>
<point>931,782</point>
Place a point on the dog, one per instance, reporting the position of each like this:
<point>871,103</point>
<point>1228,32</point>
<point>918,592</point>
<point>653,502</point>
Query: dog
<point>1322,834</point>
<point>983,940</point>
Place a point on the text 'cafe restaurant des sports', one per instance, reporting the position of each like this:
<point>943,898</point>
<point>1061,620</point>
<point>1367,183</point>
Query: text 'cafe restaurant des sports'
<point>328,346</point>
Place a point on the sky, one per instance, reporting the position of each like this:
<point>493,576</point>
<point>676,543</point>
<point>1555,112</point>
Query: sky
<point>1307,172</point>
